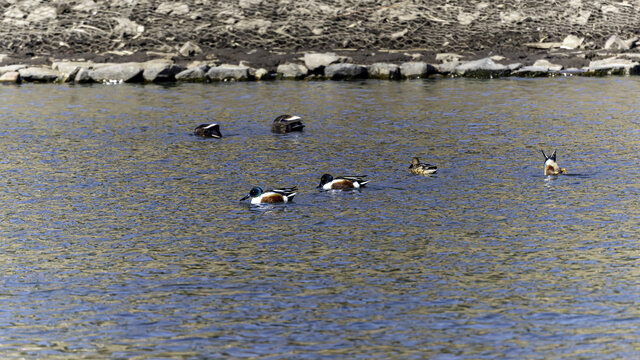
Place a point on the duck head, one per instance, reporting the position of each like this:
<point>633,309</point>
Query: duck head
<point>254,192</point>
<point>326,178</point>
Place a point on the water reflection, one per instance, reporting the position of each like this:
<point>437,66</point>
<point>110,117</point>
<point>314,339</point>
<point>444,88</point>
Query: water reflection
<point>124,237</point>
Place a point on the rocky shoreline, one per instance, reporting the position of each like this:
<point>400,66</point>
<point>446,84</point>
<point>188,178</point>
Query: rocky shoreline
<point>558,60</point>
<point>209,41</point>
<point>189,64</point>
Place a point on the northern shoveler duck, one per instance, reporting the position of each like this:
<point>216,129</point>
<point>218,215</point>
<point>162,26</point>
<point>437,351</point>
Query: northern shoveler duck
<point>328,182</point>
<point>208,130</point>
<point>287,123</point>
<point>421,169</point>
<point>272,196</point>
<point>551,167</point>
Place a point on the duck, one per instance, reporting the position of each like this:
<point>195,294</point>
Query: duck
<point>208,130</point>
<point>421,169</point>
<point>328,182</point>
<point>287,123</point>
<point>271,196</point>
<point>551,167</point>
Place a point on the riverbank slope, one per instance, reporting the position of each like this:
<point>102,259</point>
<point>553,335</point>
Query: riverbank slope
<point>265,34</point>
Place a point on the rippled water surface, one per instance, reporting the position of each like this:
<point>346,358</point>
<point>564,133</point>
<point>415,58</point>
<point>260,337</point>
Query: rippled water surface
<point>122,234</point>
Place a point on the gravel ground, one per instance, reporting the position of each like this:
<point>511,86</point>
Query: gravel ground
<point>266,33</point>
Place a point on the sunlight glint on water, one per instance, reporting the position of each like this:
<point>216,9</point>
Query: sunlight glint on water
<point>123,235</point>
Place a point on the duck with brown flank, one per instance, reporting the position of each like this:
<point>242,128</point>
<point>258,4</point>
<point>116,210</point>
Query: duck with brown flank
<point>328,182</point>
<point>271,196</point>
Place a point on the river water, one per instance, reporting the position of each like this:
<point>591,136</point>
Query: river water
<point>123,237</point>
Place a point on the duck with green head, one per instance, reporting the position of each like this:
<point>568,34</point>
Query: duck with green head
<point>271,196</point>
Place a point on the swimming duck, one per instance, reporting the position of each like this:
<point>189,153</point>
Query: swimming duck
<point>421,169</point>
<point>282,195</point>
<point>551,167</point>
<point>328,182</point>
<point>287,123</point>
<point>208,130</point>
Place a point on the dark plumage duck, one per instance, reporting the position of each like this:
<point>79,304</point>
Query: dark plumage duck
<point>287,123</point>
<point>328,182</point>
<point>208,130</point>
<point>421,169</point>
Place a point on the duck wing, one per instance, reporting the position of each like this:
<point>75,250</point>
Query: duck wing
<point>286,191</point>
<point>359,178</point>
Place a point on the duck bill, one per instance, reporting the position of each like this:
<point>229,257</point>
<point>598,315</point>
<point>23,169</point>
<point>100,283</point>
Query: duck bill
<point>245,197</point>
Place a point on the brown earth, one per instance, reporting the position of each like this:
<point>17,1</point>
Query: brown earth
<point>266,33</point>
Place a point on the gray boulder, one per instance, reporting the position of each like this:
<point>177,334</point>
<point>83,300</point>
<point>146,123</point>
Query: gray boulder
<point>546,63</point>
<point>195,74</point>
<point>345,72</point>
<point>292,71</point>
<point>190,49</point>
<point>127,27</point>
<point>448,57</point>
<point>514,66</point>
<point>83,76</point>
<point>571,42</point>
<point>615,42</point>
<point>448,67</point>
<point>10,77</point>
<point>70,68</point>
<point>11,68</point>
<point>384,71</point>
<point>613,66</point>
<point>483,68</point>
<point>228,73</point>
<point>204,65</point>
<point>416,70</point>
<point>263,74</point>
<point>532,71</point>
<point>315,62</point>
<point>159,71</point>
<point>39,74</point>
<point>126,72</point>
